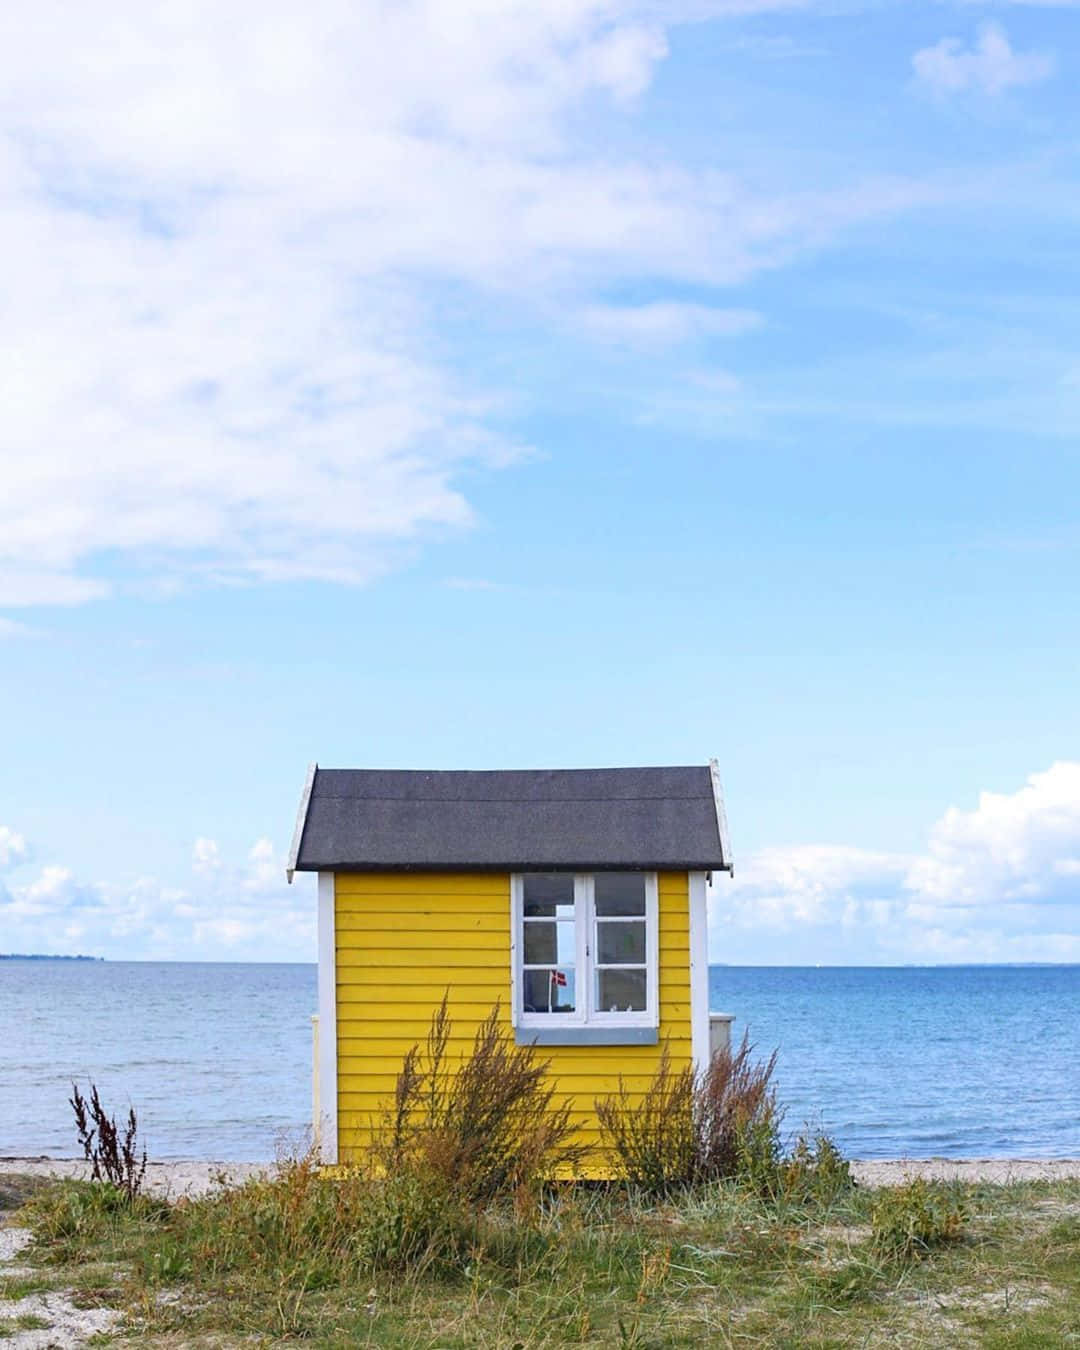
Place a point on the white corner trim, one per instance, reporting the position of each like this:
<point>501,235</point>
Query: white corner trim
<point>301,821</point>
<point>328,1094</point>
<point>721,818</point>
<point>699,971</point>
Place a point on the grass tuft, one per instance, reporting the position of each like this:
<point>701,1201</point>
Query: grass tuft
<point>911,1220</point>
<point>401,1262</point>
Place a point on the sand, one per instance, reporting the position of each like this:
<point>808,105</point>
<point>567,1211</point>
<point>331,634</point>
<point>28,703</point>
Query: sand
<point>193,1178</point>
<point>998,1171</point>
<point>162,1178</point>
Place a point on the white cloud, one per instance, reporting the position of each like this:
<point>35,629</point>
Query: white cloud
<point>989,66</point>
<point>240,912</point>
<point>810,884</point>
<point>721,382</point>
<point>13,849</point>
<point>473,584</point>
<point>1032,4</point>
<point>664,322</point>
<point>264,869</point>
<point>1014,846</point>
<point>221,360</point>
<point>205,856</point>
<point>999,883</point>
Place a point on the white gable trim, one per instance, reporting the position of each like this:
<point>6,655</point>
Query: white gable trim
<point>728,864</point>
<point>301,821</point>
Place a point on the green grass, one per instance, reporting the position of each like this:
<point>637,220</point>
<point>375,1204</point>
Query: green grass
<point>16,1188</point>
<point>10,1326</point>
<point>305,1259</point>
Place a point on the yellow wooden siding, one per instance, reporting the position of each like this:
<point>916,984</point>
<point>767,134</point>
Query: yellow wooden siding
<point>403,939</point>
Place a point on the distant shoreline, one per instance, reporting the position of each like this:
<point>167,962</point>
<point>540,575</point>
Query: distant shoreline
<point>45,956</point>
<point>713,965</point>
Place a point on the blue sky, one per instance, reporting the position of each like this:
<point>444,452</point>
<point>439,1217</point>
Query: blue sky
<point>587,382</point>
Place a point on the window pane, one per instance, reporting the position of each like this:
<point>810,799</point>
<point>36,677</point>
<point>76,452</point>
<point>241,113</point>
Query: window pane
<point>548,943</point>
<point>549,895</point>
<point>620,990</point>
<point>620,893</point>
<point>620,944</point>
<point>543,992</point>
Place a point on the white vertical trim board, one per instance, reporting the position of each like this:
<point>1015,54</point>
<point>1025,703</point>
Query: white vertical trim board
<point>316,1108</point>
<point>652,946</point>
<point>699,971</point>
<point>328,1093</point>
<point>515,953</point>
<point>584,924</point>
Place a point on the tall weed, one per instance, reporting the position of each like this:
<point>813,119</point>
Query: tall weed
<point>691,1127</point>
<point>113,1154</point>
<point>724,1124</point>
<point>737,1120</point>
<point>487,1126</point>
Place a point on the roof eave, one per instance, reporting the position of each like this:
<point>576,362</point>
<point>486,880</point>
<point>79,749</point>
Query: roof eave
<point>523,865</point>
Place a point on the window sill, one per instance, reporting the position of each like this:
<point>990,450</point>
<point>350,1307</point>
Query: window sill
<point>586,1036</point>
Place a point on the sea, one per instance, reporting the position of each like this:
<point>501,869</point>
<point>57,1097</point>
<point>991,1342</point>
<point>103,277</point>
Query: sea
<point>957,1061</point>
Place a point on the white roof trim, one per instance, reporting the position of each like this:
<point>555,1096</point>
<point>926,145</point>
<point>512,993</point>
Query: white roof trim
<point>721,818</point>
<point>301,821</point>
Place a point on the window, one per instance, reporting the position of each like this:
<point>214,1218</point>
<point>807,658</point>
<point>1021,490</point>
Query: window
<point>585,950</point>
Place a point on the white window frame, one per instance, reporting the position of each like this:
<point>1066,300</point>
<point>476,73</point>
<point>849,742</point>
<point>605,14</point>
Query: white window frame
<point>586,1014</point>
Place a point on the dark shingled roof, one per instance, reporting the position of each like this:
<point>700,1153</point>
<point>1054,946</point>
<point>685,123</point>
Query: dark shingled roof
<point>510,820</point>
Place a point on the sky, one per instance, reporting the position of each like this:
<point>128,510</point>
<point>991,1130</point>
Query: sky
<point>465,384</point>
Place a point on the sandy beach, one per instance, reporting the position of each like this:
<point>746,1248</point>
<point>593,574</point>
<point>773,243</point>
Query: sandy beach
<point>193,1178</point>
<point>998,1171</point>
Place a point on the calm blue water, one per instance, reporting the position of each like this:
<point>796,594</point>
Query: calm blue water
<point>965,1062</point>
<point>960,1061</point>
<point>215,1058</point>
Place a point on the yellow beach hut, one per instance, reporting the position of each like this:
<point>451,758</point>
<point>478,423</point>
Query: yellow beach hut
<point>576,898</point>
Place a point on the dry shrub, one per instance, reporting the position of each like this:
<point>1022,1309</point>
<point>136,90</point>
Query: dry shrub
<point>737,1121</point>
<point>653,1138</point>
<point>487,1125</point>
<point>693,1127</point>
